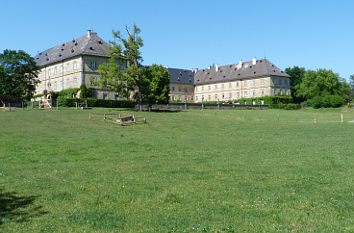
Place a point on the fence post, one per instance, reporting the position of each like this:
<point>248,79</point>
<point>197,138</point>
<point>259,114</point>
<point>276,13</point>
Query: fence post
<point>341,118</point>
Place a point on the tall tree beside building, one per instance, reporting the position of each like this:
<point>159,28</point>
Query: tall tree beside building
<point>351,84</point>
<point>322,82</point>
<point>156,84</point>
<point>18,74</point>
<point>125,74</point>
<point>296,76</point>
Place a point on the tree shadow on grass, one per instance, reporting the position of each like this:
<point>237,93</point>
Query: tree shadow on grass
<point>17,208</point>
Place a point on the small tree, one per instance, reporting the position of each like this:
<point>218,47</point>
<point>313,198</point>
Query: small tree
<point>351,85</point>
<point>296,76</point>
<point>18,74</point>
<point>156,81</point>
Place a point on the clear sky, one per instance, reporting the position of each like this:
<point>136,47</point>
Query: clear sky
<point>195,33</point>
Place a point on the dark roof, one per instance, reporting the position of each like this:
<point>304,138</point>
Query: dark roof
<point>231,72</point>
<point>90,44</point>
<point>181,76</point>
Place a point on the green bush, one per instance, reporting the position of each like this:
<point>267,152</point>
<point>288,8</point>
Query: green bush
<point>70,102</point>
<point>327,101</point>
<point>86,92</point>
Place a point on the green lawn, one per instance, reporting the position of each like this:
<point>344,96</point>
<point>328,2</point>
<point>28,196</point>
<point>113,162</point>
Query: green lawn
<point>195,171</point>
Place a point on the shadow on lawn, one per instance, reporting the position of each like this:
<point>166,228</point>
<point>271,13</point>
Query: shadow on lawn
<point>16,208</point>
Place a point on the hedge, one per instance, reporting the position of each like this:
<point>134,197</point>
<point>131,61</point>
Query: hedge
<point>70,102</point>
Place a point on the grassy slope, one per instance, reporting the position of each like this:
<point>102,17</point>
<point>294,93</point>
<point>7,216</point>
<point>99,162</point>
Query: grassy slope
<point>247,171</point>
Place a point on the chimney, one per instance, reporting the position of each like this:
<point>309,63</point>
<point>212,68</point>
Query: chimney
<point>89,33</point>
<point>254,61</point>
<point>240,64</point>
<point>216,67</point>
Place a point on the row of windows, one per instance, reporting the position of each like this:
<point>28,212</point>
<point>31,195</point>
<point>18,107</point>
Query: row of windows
<point>181,89</point>
<point>181,98</point>
<point>69,67</point>
<point>246,83</point>
<point>237,95</point>
<point>59,85</point>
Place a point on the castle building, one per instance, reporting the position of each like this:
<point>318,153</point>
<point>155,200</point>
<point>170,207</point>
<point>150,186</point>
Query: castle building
<point>74,63</point>
<point>251,79</point>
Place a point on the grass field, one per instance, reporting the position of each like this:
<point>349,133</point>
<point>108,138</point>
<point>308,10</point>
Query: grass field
<point>210,171</point>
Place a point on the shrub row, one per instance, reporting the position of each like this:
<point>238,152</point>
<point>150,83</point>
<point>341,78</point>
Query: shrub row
<point>70,102</point>
<point>327,101</point>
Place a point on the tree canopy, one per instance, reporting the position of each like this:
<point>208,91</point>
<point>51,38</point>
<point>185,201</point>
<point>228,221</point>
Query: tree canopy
<point>296,76</point>
<point>18,74</point>
<point>351,84</point>
<point>125,75</point>
<point>320,83</point>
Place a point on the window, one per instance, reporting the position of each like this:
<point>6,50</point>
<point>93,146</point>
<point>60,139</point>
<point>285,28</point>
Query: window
<point>209,88</point>
<point>216,87</point>
<point>216,96</point>
<point>67,68</point>
<point>104,96</point>
<point>223,96</point>
<point>75,65</point>
<point>173,88</point>
<point>245,83</point>
<point>230,85</point>
<point>55,70</point>
<point>196,97</point>
<point>93,65</point>
<point>179,89</point>
<point>236,84</point>
<point>262,81</point>
<point>93,81</point>
<point>280,82</point>
<point>230,95</point>
<point>49,72</point>
<point>254,93</point>
<point>245,93</point>
<point>254,82</point>
<point>262,92</point>
<point>209,97</point>
<point>222,86</point>
<point>185,89</point>
<point>238,95</point>
<point>202,88</point>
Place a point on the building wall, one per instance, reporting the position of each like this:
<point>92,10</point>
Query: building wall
<point>61,75</point>
<point>248,88</point>
<point>181,92</point>
<point>72,73</point>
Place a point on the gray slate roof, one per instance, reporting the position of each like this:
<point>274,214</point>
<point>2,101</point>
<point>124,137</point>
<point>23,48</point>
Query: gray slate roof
<point>90,44</point>
<point>232,72</point>
<point>181,76</point>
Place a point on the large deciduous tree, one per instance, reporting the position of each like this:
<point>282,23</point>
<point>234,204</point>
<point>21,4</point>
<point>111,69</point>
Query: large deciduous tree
<point>156,84</point>
<point>125,74</point>
<point>320,83</point>
<point>18,74</point>
<point>296,76</point>
<point>351,84</point>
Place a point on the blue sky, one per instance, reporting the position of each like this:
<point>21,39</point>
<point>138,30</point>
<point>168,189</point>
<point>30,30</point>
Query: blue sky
<point>195,33</point>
